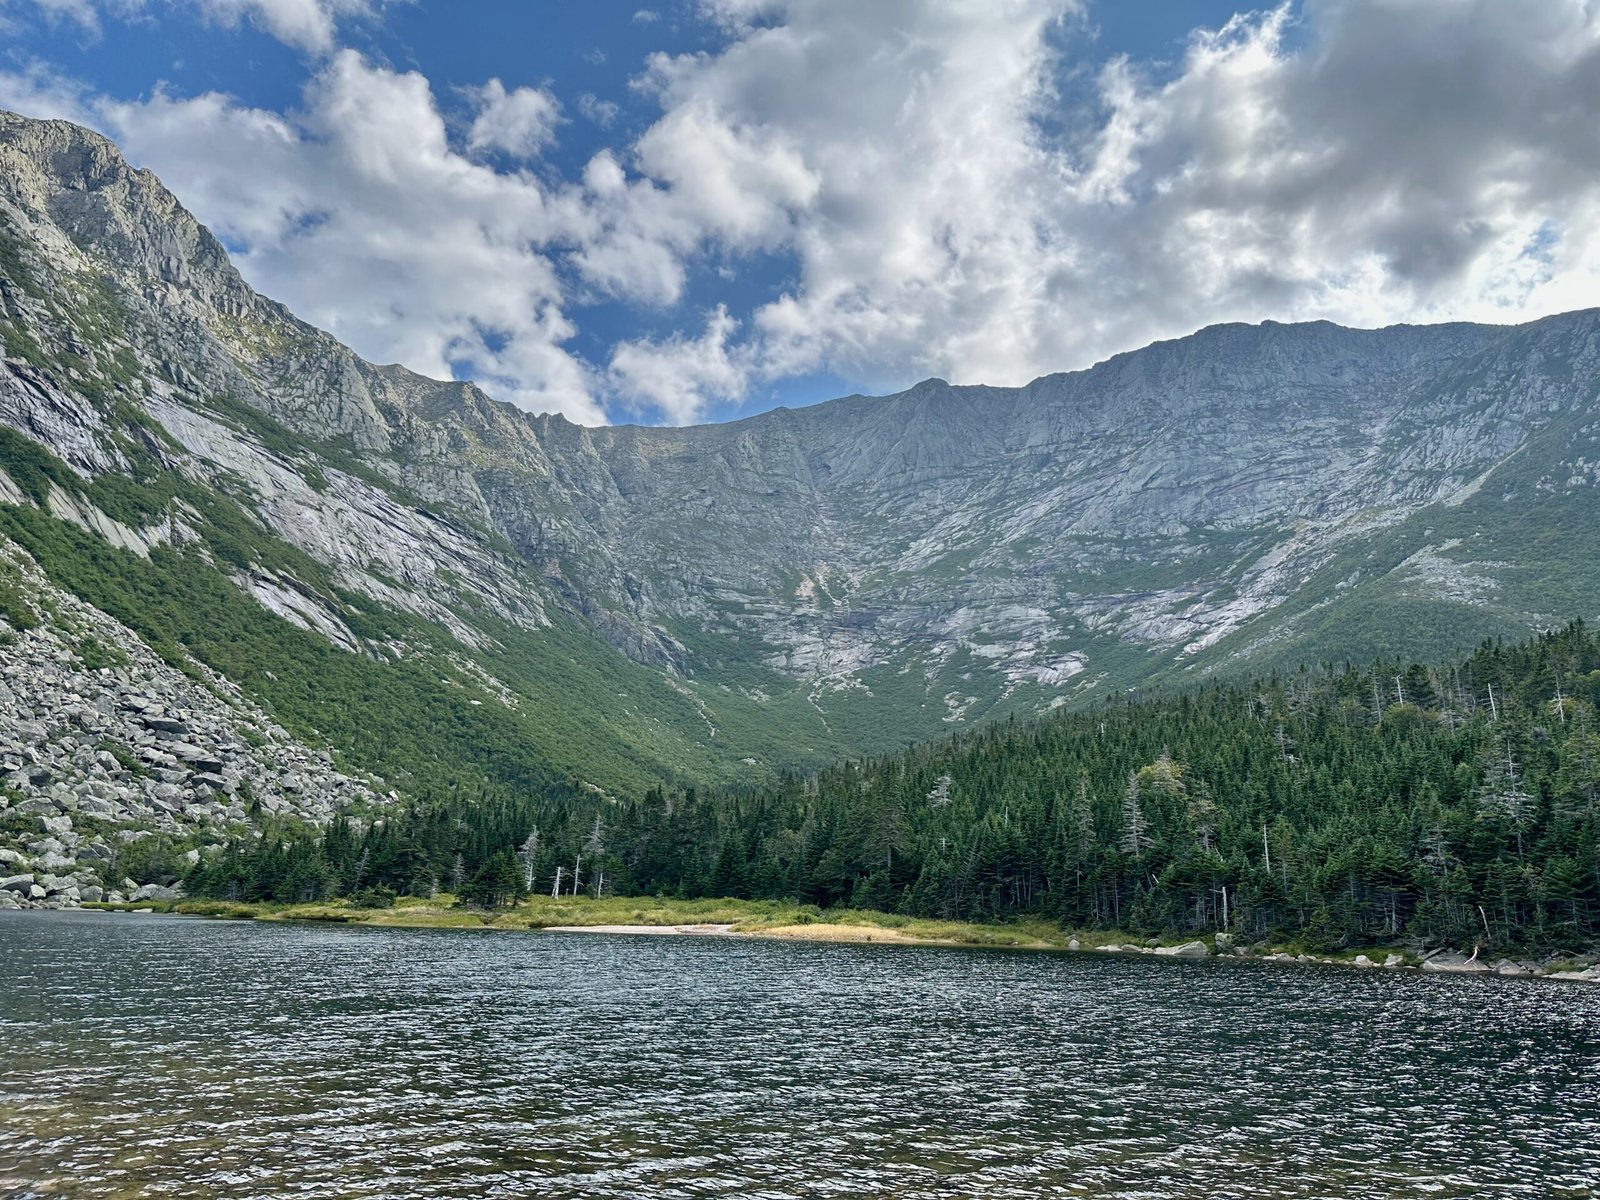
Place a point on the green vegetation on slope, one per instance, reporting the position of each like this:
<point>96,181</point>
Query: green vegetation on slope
<point>1456,804</point>
<point>418,718</point>
<point>1496,561</point>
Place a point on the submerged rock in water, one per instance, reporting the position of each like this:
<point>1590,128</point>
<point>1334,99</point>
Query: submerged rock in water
<point>1457,964</point>
<point>1187,950</point>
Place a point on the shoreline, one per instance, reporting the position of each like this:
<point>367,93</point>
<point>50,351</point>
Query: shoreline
<point>1442,962</point>
<point>825,932</point>
<point>777,921</point>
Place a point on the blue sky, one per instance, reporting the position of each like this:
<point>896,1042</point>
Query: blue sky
<point>700,209</point>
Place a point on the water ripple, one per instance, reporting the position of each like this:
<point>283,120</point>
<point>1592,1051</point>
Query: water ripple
<point>166,1057</point>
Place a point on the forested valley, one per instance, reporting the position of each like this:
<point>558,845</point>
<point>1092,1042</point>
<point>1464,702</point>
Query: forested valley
<point>1447,804</point>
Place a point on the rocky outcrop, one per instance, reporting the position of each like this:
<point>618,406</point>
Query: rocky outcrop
<point>103,745</point>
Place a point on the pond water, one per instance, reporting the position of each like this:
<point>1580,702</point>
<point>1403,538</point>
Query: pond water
<point>156,1056</point>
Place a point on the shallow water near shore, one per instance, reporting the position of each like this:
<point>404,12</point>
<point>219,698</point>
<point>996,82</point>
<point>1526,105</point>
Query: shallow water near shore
<point>155,1056</point>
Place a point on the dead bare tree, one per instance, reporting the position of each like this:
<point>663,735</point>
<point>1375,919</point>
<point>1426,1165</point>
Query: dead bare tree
<point>526,854</point>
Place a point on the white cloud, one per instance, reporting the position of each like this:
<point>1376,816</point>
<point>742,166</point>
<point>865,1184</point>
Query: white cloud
<point>601,112</point>
<point>36,91</point>
<point>739,179</point>
<point>898,161</point>
<point>81,13</point>
<point>1400,166</point>
<point>634,241</point>
<point>739,16</point>
<point>681,377</point>
<point>520,123</point>
<point>911,170</point>
<point>306,24</point>
<point>309,25</point>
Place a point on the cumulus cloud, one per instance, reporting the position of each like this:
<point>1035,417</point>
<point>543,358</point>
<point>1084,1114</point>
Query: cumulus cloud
<point>915,192</point>
<point>520,123</point>
<point>1418,158</point>
<point>680,377</point>
<point>308,25</point>
<point>39,92</point>
<point>907,178</point>
<point>1415,161</point>
<point>739,179</point>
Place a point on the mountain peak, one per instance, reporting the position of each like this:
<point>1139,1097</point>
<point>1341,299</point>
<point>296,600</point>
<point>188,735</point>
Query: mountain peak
<point>836,578</point>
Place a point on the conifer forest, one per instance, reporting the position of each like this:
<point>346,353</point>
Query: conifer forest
<point>1445,804</point>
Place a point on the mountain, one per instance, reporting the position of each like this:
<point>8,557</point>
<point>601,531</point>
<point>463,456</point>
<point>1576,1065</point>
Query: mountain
<point>439,589</point>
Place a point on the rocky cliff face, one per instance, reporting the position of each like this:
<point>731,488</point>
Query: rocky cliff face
<point>801,583</point>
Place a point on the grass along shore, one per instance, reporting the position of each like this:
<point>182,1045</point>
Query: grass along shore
<point>764,918</point>
<point>797,922</point>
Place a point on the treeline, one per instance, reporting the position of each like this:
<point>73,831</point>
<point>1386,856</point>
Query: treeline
<point>1452,804</point>
<point>485,846</point>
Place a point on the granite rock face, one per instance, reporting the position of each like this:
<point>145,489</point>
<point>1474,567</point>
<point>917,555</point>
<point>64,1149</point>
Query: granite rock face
<point>1242,496</point>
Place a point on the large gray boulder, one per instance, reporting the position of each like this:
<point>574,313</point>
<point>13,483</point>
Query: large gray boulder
<point>155,891</point>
